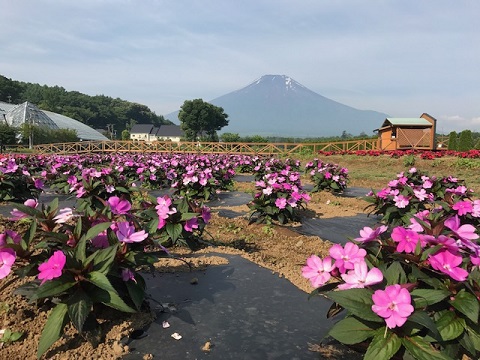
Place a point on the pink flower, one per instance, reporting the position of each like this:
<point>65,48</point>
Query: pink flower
<point>127,234</point>
<point>420,194</point>
<point>317,270</point>
<point>360,277</point>
<point>17,214</point>
<point>464,232</point>
<point>101,240</point>
<point>447,263</point>
<point>7,258</point>
<point>463,207</point>
<point>407,239</point>
<point>53,267</point>
<point>346,257</point>
<point>281,203</point>
<point>191,224</point>
<point>394,304</point>
<point>369,234</point>
<point>118,206</point>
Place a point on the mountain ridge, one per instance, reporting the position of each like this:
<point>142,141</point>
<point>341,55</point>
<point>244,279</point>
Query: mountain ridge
<point>277,105</point>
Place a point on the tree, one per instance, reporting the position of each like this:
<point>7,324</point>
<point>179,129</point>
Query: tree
<point>452,141</point>
<point>465,141</point>
<point>125,135</point>
<point>7,134</point>
<point>198,117</point>
<point>230,137</point>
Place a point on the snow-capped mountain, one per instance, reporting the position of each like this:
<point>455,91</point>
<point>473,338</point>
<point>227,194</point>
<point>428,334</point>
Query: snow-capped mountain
<point>277,105</point>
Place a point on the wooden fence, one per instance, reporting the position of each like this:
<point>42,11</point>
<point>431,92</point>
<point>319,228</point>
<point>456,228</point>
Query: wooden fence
<point>271,149</point>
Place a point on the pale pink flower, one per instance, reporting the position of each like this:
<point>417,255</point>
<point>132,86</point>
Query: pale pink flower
<point>420,194</point>
<point>63,215</point>
<point>317,270</point>
<point>369,234</point>
<point>7,258</point>
<point>126,233</point>
<point>476,208</point>
<point>267,191</point>
<point>448,263</point>
<point>394,304</point>
<point>360,277</point>
<point>17,214</point>
<point>119,206</point>
<point>346,257</point>
<point>281,203</point>
<point>401,201</point>
<point>53,267</point>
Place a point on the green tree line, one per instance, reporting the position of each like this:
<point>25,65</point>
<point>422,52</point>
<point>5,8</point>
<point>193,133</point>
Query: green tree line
<point>98,112</point>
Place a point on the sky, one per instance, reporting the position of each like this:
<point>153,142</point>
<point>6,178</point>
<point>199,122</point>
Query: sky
<point>400,57</point>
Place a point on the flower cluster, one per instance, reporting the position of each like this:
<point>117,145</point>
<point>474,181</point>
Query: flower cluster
<point>418,277</point>
<point>279,196</point>
<point>17,183</point>
<point>412,192</point>
<point>326,176</point>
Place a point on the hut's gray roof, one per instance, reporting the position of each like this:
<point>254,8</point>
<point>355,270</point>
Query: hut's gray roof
<point>170,130</point>
<point>57,121</point>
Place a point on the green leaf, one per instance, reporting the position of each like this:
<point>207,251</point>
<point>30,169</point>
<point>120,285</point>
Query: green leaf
<point>450,325</point>
<point>29,211</point>
<point>109,296</point>
<point>351,331</point>
<point>79,306</point>
<point>80,249</point>
<point>54,287</point>
<point>425,297</point>
<point>77,231</point>
<point>53,328</point>
<point>174,231</point>
<point>467,304</point>
<point>28,237</point>
<point>97,229</point>
<point>422,318</point>
<point>422,350</point>
<point>358,301</point>
<point>395,274</point>
<point>383,346</point>
<point>136,292</point>
<point>104,258</point>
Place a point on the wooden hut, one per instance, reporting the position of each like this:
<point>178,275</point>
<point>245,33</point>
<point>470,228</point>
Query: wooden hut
<point>407,133</point>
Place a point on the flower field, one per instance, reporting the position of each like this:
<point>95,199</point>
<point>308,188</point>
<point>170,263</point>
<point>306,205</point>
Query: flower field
<point>411,282</point>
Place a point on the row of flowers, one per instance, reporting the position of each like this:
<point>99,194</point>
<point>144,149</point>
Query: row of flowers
<point>423,154</point>
<point>412,284</point>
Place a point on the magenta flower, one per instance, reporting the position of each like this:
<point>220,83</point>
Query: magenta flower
<point>127,275</point>
<point>407,239</point>
<point>118,206</point>
<point>317,270</point>
<point>7,258</point>
<point>448,263</point>
<point>369,234</point>
<point>346,257</point>
<point>191,224</point>
<point>126,233</point>
<point>13,235</point>
<point>39,184</point>
<point>53,267</point>
<point>206,214</point>
<point>281,203</point>
<point>394,304</point>
<point>463,207</point>
<point>464,232</point>
<point>360,277</point>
